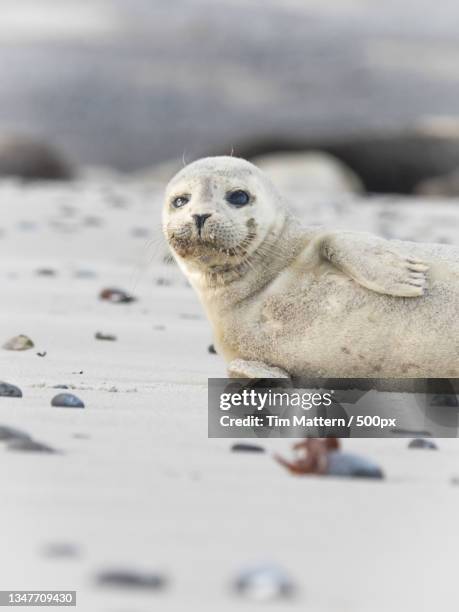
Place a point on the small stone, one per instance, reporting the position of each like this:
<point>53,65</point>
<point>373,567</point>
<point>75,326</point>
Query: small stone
<point>211,349</point>
<point>42,354</point>
<point>61,550</point>
<point>67,400</point>
<point>448,400</point>
<point>247,448</point>
<point>352,466</point>
<point>46,272</point>
<point>84,273</point>
<point>61,387</point>
<point>7,390</point>
<point>29,445</point>
<point>264,583</point>
<point>10,433</point>
<point>116,296</point>
<point>102,336</point>
<point>128,579</point>
<point>92,221</point>
<point>27,226</point>
<point>423,443</point>
<point>140,232</point>
<point>18,343</point>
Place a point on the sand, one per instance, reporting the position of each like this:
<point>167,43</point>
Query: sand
<point>137,484</point>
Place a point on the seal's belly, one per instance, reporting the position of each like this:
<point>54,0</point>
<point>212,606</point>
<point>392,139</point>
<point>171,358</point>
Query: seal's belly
<point>329,325</point>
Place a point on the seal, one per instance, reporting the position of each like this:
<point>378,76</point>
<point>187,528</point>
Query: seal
<point>287,301</point>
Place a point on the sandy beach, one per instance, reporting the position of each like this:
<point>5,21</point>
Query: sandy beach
<point>135,483</point>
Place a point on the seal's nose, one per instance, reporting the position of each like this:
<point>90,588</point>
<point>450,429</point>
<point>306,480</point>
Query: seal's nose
<point>200,220</point>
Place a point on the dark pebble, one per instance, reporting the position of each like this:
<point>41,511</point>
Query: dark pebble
<point>29,445</point>
<point>264,583</point>
<point>423,443</point>
<point>7,390</point>
<point>46,272</point>
<point>116,296</point>
<point>447,400</point>
<point>211,349</point>
<point>247,448</point>
<point>131,580</point>
<point>67,400</point>
<point>60,387</point>
<point>10,433</point>
<point>352,466</point>
<point>42,354</point>
<point>102,336</point>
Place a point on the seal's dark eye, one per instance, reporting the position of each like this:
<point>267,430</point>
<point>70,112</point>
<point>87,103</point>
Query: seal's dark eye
<point>238,197</point>
<point>180,201</point>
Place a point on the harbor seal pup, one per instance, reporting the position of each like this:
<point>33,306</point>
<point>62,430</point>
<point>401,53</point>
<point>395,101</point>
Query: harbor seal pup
<point>285,300</point>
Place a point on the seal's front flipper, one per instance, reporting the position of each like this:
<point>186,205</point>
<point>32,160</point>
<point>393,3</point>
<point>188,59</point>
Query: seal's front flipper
<point>239,368</point>
<point>375,264</point>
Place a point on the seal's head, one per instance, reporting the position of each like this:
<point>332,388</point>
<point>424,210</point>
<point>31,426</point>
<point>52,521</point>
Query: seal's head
<point>219,210</point>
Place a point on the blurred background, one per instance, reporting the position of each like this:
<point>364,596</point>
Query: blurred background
<point>132,84</point>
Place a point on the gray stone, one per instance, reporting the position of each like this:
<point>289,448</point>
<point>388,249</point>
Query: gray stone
<point>423,444</point>
<point>352,466</point>
<point>128,579</point>
<point>7,390</point>
<point>67,400</point>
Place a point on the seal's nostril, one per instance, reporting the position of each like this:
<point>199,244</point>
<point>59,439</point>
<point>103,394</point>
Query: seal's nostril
<point>200,220</point>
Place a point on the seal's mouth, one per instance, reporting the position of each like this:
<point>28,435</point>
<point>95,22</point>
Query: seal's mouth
<point>207,249</point>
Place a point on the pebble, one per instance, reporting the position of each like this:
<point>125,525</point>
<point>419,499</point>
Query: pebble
<point>423,443</point>
<point>46,272</point>
<point>140,232</point>
<point>7,390</point>
<point>103,336</point>
<point>61,550</point>
<point>42,354</point>
<point>211,349</point>
<point>84,273</point>
<point>10,433</point>
<point>247,448</point>
<point>67,400</point>
<point>116,296</point>
<point>131,580</point>
<point>18,343</point>
<point>92,221</point>
<point>61,387</point>
<point>352,466</point>
<point>264,583</point>
<point>29,445</point>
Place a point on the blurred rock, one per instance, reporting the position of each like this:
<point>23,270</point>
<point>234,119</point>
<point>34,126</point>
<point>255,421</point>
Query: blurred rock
<point>310,171</point>
<point>67,400</point>
<point>32,160</point>
<point>446,186</point>
<point>206,77</point>
<point>18,343</point>
<point>264,583</point>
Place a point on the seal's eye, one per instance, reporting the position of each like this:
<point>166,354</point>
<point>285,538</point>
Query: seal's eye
<point>238,198</point>
<point>180,201</point>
